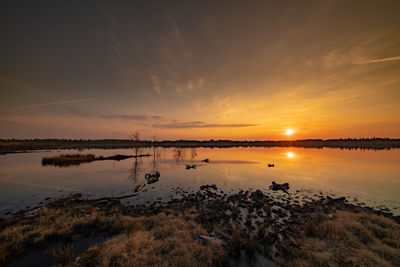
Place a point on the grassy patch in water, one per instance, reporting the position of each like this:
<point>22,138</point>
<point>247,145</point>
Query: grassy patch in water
<point>68,159</point>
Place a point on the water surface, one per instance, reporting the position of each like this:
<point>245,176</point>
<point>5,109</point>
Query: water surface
<point>363,176</point>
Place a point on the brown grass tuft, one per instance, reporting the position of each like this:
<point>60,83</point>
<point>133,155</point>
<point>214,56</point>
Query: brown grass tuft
<point>348,239</point>
<point>171,241</point>
<point>64,256</point>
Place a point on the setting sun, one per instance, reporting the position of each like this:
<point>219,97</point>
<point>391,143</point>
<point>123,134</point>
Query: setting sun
<point>289,132</point>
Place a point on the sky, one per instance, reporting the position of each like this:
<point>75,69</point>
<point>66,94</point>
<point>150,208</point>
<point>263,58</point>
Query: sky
<point>241,70</point>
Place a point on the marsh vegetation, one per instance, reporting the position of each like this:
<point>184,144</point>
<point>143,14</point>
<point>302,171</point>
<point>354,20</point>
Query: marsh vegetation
<point>65,160</point>
<point>203,229</point>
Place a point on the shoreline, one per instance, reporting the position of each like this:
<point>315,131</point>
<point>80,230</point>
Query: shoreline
<point>19,145</point>
<point>242,228</point>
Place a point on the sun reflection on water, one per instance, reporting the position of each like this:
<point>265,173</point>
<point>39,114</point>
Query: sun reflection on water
<point>290,155</point>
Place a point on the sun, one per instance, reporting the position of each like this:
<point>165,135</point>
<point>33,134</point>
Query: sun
<point>289,132</point>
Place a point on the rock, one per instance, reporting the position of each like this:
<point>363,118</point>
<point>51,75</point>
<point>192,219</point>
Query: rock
<point>258,194</point>
<point>212,239</point>
<point>340,199</point>
<point>271,165</point>
<point>152,178</point>
<point>213,186</point>
<point>205,160</point>
<point>325,202</point>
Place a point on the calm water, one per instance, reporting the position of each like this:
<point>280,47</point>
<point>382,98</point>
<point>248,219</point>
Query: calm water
<point>372,177</point>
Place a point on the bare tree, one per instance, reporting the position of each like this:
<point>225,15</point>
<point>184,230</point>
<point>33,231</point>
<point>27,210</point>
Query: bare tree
<point>136,138</point>
<point>154,138</point>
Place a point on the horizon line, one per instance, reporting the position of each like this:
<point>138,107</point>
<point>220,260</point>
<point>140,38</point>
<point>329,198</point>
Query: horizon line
<point>208,140</point>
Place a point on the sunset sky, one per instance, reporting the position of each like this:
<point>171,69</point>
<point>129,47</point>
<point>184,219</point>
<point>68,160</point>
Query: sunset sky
<point>199,70</point>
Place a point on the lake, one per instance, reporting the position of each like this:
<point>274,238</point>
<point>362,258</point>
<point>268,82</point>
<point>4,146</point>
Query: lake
<point>363,176</point>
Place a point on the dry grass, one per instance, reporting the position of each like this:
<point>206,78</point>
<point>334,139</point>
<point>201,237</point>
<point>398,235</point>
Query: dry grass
<point>348,239</point>
<point>50,224</point>
<point>168,237</point>
<point>160,240</point>
<point>64,256</point>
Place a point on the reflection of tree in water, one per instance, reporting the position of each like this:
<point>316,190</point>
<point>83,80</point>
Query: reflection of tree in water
<point>156,155</point>
<point>179,154</point>
<point>164,149</point>
<point>193,153</point>
<point>156,159</point>
<point>135,170</point>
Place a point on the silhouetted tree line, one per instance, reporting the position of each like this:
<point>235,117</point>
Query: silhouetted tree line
<point>13,145</point>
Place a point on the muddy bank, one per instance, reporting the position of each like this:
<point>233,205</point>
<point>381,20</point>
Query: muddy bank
<point>202,228</point>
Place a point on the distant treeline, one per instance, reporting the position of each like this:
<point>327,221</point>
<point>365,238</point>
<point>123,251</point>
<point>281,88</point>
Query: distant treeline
<point>15,145</point>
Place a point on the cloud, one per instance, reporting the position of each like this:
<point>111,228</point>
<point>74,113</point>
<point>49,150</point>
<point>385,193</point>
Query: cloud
<point>355,56</point>
<point>157,121</point>
<point>123,117</point>
<point>134,117</point>
<point>380,60</point>
<point>156,83</point>
<point>182,86</point>
<point>56,103</point>
<point>178,38</point>
<point>199,124</point>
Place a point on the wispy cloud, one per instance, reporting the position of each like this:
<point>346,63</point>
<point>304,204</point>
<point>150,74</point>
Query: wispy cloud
<point>156,83</point>
<point>56,103</point>
<point>199,124</point>
<point>134,117</point>
<point>156,121</point>
<point>380,60</point>
<point>123,117</point>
